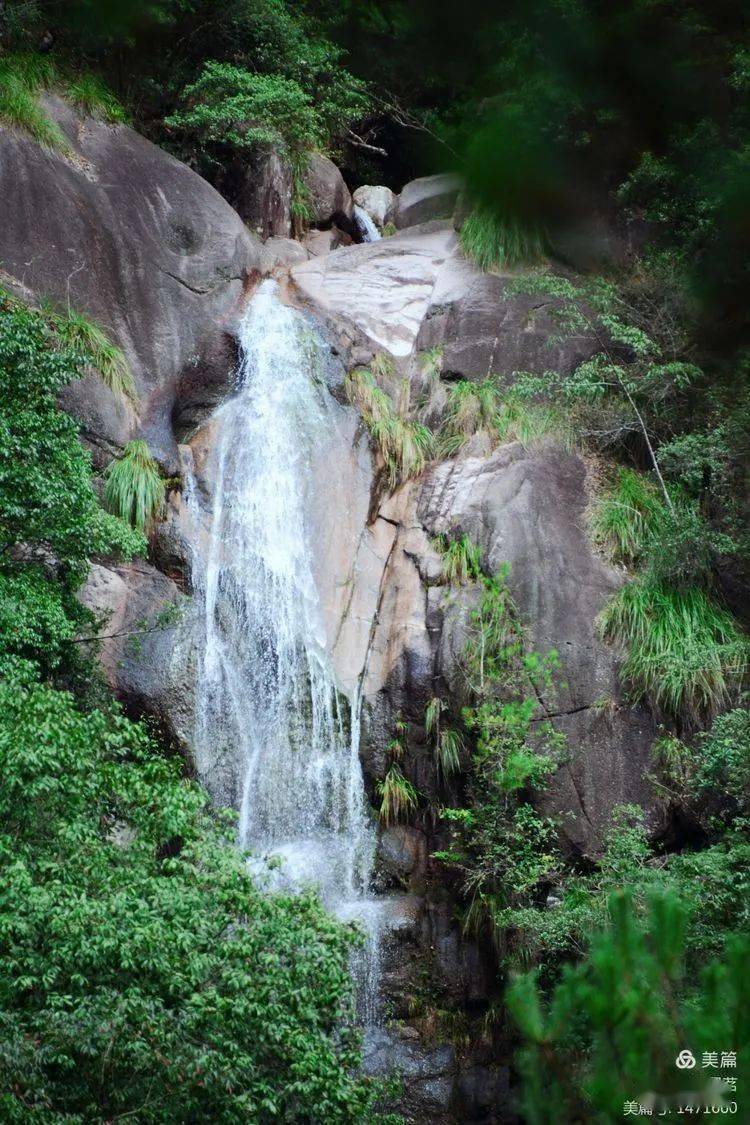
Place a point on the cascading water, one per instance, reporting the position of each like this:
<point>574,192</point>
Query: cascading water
<point>367,228</point>
<point>266,695</point>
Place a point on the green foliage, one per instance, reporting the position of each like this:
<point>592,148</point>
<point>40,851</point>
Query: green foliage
<point>462,559</point>
<point>447,742</point>
<point>472,409</point>
<point>234,107</point>
<point>84,335</point>
<point>398,797</point>
<point>685,653</point>
<point>149,974</point>
<point>617,1021</point>
<point>133,486</point>
<point>403,444</point>
<point>89,93</point>
<point>22,79</point>
<point>496,244</point>
<point>504,849</point>
<point>431,362</point>
<point>50,519</point>
<point>25,76</point>
<point>627,518</point>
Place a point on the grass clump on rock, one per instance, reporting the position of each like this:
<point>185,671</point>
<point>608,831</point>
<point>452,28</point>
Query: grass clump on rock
<point>110,362</point>
<point>495,243</point>
<point>404,445</point>
<point>133,488</point>
<point>398,797</point>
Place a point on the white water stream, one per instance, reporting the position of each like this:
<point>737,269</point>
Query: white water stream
<point>367,228</point>
<point>266,693</point>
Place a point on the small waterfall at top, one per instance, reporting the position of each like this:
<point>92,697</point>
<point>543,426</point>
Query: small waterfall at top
<point>266,696</point>
<point>366,226</point>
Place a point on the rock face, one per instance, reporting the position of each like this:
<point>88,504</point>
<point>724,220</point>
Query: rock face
<point>417,291</point>
<point>431,197</point>
<point>378,201</point>
<point>262,195</point>
<point>329,198</point>
<point>121,231</point>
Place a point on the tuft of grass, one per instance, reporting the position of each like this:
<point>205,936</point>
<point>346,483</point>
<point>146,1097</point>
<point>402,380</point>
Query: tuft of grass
<point>627,518</point>
<point>431,361</point>
<point>404,445</point>
<point>685,653</point>
<point>382,366</point>
<point>472,409</point>
<point>398,797</point>
<point>133,487</point>
<point>389,229</point>
<point>447,742</point>
<point>462,559</point>
<point>90,94</point>
<point>110,362</point>
<point>527,422</point>
<point>494,243</point>
<point>22,79</point>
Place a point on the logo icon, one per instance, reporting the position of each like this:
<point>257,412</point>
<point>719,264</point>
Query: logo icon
<point>685,1060</point>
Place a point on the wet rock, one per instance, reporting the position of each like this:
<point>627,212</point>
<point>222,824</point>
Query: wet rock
<point>147,644</point>
<point>425,199</point>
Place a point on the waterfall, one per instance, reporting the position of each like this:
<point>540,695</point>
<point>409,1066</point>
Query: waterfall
<point>367,228</point>
<point>266,696</point>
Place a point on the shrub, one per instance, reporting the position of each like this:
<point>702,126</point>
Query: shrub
<point>398,797</point>
<point>140,967</point>
<point>231,106</point>
<point>685,653</point>
<point>495,244</point>
<point>617,1021</point>
<point>133,487</point>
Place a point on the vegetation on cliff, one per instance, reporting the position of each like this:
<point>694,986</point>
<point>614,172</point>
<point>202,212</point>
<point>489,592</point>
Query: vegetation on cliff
<point>144,973</point>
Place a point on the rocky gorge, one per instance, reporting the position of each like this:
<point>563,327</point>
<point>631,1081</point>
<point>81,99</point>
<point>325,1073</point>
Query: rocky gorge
<point>127,234</point>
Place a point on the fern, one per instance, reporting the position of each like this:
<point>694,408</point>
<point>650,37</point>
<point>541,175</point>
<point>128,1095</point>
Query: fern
<point>398,797</point>
<point>134,489</point>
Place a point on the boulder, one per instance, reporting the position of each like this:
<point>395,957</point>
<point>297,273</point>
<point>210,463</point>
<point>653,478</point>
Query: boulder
<point>417,291</point>
<point>378,201</point>
<point>123,232</point>
<point>280,253</point>
<point>261,192</point>
<point>329,198</point>
<point>146,648</point>
<point>430,197</point>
